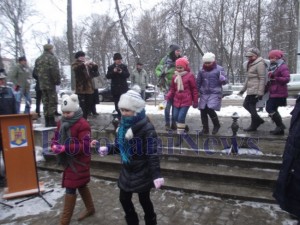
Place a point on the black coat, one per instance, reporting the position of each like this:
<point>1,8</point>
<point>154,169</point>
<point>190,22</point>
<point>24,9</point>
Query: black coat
<point>287,190</point>
<point>144,167</point>
<point>7,101</point>
<point>118,80</point>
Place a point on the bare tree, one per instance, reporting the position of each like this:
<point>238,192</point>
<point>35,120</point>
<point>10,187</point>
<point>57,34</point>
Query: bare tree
<point>14,14</point>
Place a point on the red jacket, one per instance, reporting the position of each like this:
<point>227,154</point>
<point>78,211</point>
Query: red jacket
<point>79,148</point>
<point>187,97</point>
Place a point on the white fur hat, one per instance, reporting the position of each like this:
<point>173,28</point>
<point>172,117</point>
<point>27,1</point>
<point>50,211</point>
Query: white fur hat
<point>208,57</point>
<point>132,100</point>
<point>70,103</point>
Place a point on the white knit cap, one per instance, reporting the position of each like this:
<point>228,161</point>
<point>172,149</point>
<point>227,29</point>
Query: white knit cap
<point>208,57</point>
<point>132,100</point>
<point>70,103</point>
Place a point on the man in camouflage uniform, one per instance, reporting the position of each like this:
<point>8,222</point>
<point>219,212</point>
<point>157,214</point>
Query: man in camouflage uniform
<point>20,76</point>
<point>48,73</point>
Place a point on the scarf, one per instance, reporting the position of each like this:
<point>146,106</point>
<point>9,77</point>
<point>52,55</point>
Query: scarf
<point>273,66</point>
<point>209,67</point>
<point>178,80</point>
<point>64,158</point>
<point>124,145</point>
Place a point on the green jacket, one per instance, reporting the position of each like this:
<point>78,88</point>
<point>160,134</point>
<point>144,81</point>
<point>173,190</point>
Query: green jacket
<point>21,75</point>
<point>48,71</point>
<point>166,67</point>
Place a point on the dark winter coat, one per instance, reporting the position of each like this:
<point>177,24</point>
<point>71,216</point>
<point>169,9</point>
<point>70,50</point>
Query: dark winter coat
<point>118,80</point>
<point>210,87</point>
<point>287,191</point>
<point>7,101</point>
<point>278,86</point>
<point>187,97</point>
<point>144,167</point>
<point>79,147</point>
<point>83,77</point>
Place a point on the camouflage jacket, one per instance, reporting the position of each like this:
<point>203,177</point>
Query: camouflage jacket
<point>20,75</point>
<point>48,71</point>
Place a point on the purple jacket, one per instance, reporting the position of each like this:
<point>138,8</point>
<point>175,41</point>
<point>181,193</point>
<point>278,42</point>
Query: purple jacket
<point>278,86</point>
<point>210,87</point>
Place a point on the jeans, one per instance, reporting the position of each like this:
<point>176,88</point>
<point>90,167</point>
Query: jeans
<point>167,112</point>
<point>179,114</point>
<point>18,95</point>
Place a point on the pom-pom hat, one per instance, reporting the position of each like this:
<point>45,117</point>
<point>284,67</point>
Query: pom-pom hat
<point>70,103</point>
<point>132,100</point>
<point>182,62</point>
<point>209,57</point>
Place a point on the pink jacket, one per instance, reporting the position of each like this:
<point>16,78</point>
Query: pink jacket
<point>187,97</point>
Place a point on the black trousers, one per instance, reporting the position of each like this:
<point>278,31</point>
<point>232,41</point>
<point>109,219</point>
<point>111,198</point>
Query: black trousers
<point>116,101</point>
<point>208,111</point>
<point>145,201</point>
<point>38,101</point>
<point>250,105</point>
<point>85,102</point>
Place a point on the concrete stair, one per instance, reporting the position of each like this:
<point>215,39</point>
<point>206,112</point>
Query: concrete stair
<point>249,178</point>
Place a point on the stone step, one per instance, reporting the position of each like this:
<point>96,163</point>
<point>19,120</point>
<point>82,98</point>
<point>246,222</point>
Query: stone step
<point>212,188</point>
<point>201,171</point>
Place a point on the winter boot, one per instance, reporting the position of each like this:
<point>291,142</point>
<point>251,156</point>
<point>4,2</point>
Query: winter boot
<point>150,220</point>
<point>69,205</point>
<point>88,202</point>
<point>255,123</point>
<point>132,219</point>
<point>216,124</point>
<point>279,130</point>
<point>180,132</point>
<point>205,129</point>
<point>51,122</point>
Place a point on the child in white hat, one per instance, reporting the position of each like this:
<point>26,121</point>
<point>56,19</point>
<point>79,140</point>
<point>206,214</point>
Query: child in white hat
<point>71,144</point>
<point>140,163</point>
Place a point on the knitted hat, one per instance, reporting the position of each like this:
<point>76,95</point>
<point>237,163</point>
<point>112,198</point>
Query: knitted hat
<point>48,47</point>
<point>182,62</point>
<point>79,54</point>
<point>132,100</point>
<point>276,54</point>
<point>252,52</point>
<point>209,57</point>
<point>70,103</point>
<point>174,47</point>
<point>117,56</point>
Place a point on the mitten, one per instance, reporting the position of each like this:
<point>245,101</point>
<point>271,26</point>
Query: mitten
<point>103,151</point>
<point>241,93</point>
<point>271,75</point>
<point>159,182</point>
<point>57,149</point>
<point>222,78</point>
<point>195,105</point>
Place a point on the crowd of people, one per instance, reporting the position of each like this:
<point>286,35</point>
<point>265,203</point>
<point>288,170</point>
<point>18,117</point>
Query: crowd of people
<point>140,162</point>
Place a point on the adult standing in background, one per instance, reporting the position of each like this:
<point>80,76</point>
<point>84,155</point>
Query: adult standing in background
<point>279,76</point>
<point>118,74</point>
<point>7,106</point>
<point>209,81</point>
<point>139,77</point>
<point>85,71</point>
<point>47,69</point>
<point>254,85</point>
<point>165,71</point>
<point>20,76</point>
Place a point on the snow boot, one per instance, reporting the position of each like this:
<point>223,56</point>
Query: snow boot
<point>279,130</point>
<point>69,206</point>
<point>216,124</point>
<point>88,202</point>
